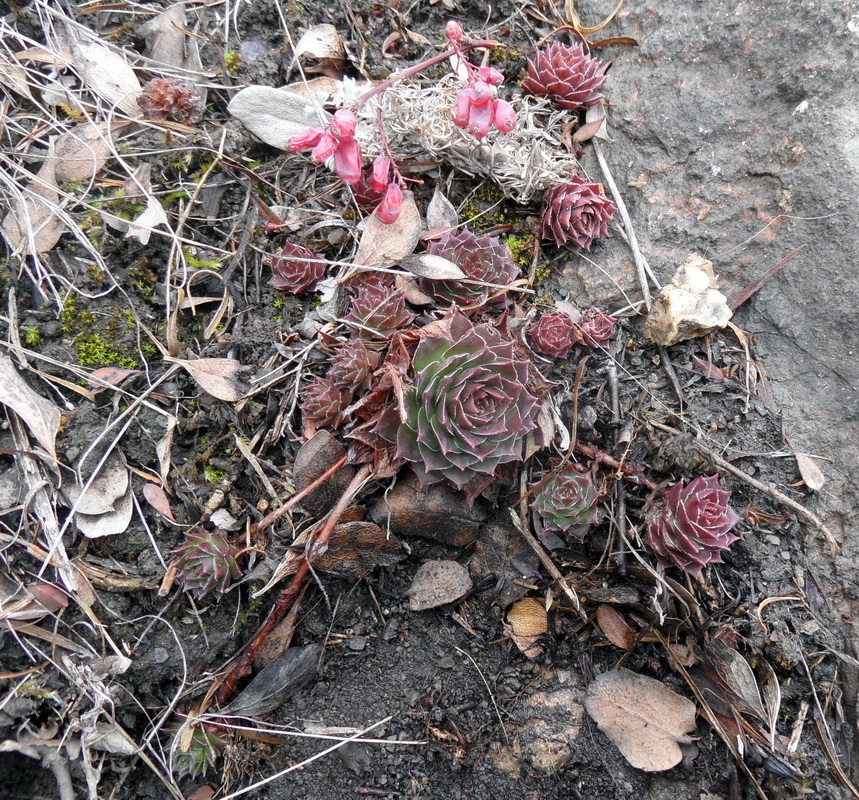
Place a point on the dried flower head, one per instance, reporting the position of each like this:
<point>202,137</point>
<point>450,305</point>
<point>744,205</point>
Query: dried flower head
<point>567,75</point>
<point>173,99</point>
<point>206,562</point>
<point>576,213</point>
<point>204,749</point>
<point>553,335</point>
<point>481,258</point>
<point>694,525</point>
<point>296,269</point>
<point>322,404</point>
<point>469,409</point>
<point>568,501</point>
<point>378,313</point>
<point>352,365</point>
<point>596,327</point>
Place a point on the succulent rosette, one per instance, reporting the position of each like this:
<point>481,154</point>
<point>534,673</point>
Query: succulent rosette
<point>576,213</point>
<point>568,501</point>
<point>322,404</point>
<point>481,258</point>
<point>596,327</point>
<point>352,365</point>
<point>694,525</point>
<point>171,98</point>
<point>296,269</point>
<point>206,562</point>
<point>469,409</point>
<point>377,313</point>
<point>567,75</point>
<point>553,335</point>
<point>203,751</point>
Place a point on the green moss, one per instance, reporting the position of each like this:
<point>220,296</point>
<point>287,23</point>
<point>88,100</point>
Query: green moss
<point>212,475</point>
<point>232,61</point>
<point>32,336</point>
<point>521,249</point>
<point>541,273</point>
<point>200,263</point>
<point>100,340</point>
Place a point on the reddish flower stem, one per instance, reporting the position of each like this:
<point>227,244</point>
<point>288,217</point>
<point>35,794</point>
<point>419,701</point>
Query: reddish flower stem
<point>632,472</point>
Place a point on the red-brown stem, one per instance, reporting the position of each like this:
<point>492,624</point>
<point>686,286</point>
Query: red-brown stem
<point>407,73</point>
<point>288,595</point>
<point>632,472</point>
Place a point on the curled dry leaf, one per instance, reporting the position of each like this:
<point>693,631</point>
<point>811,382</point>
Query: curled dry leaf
<point>643,717</point>
<point>165,36</point>
<point>108,75</point>
<point>103,492</point>
<point>41,416</point>
<point>356,548</point>
<point>383,244</point>
<point>110,523</point>
<point>314,459</point>
<point>324,43</point>
<point>142,225</point>
<point>82,151</point>
<point>527,621</point>
<point>434,268</point>
<point>13,76</point>
<point>615,628</point>
<point>438,583</point>
<point>441,214</point>
<point>812,475</point>
<point>275,115</point>
<point>157,498</point>
<point>217,376</point>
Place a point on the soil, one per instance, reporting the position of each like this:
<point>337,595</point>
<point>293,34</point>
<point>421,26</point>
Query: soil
<point>734,135</point>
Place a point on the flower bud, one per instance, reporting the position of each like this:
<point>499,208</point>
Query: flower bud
<point>491,75</point>
<point>453,31</point>
<point>503,115</point>
<point>324,149</point>
<point>306,140</point>
<point>381,174</point>
<point>479,120</point>
<point>392,203</point>
<point>343,125</point>
<point>462,108</point>
<point>347,161</point>
<point>481,92</point>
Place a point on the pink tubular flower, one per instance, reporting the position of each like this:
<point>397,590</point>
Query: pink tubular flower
<point>491,75</point>
<point>453,31</point>
<point>305,141</point>
<point>693,526</point>
<point>343,125</point>
<point>477,108</point>
<point>324,149</point>
<point>503,116</point>
<point>347,161</point>
<point>392,203</point>
<point>381,174</point>
<point>480,120</point>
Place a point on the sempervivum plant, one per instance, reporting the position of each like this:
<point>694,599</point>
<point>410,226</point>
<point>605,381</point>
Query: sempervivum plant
<point>694,525</point>
<point>567,75</point>
<point>296,269</point>
<point>596,327</point>
<point>469,409</point>
<point>206,562</point>
<point>322,404</point>
<point>576,213</point>
<point>171,98</point>
<point>481,258</point>
<point>553,335</point>
<point>203,751</point>
<point>352,365</point>
<point>377,313</point>
<point>568,501</point>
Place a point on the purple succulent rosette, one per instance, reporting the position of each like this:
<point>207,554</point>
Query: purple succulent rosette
<point>206,562</point>
<point>322,404</point>
<point>469,409</point>
<point>567,75</point>
<point>296,269</point>
<point>553,335</point>
<point>576,213</point>
<point>694,525</point>
<point>568,501</point>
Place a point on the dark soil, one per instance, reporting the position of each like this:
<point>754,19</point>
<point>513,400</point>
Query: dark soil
<point>733,136</point>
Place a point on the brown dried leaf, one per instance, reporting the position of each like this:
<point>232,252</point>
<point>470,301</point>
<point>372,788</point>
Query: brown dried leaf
<point>82,151</point>
<point>324,43</point>
<point>589,129</point>
<point>526,623</point>
<point>381,244</point>
<point>710,370</point>
<point>434,268</point>
<point>41,416</point>
<point>51,597</point>
<point>157,498</point>
<point>441,213</point>
<point>107,74</point>
<point>165,36</point>
<point>356,548</point>
<point>316,457</point>
<point>35,215</point>
<point>14,76</point>
<point>812,475</point>
<point>615,628</point>
<point>643,717</point>
<point>217,376</point>
<point>109,524</point>
<point>438,583</point>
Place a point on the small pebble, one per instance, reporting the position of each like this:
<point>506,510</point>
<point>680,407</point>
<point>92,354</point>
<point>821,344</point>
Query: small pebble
<point>357,643</point>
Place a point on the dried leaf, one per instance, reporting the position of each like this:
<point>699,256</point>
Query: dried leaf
<point>736,674</point>
<point>217,376</point>
<point>323,42</point>
<point>435,268</point>
<point>441,213</point>
<point>109,524</point>
<point>163,448</point>
<point>526,623</point>
<point>595,112</point>
<point>108,75</point>
<point>615,628</point>
<point>812,475</point>
<point>51,597</point>
<point>165,36</point>
<point>289,672</point>
<point>41,416</point>
<point>710,371</point>
<point>356,548</point>
<point>103,492</point>
<point>32,225</point>
<point>771,694</point>
<point>82,151</point>
<point>589,130</point>
<point>381,244</point>
<point>643,717</point>
<point>14,77</point>
<point>438,583</point>
<point>316,457</point>
<point>151,217</point>
<point>157,498</point>
<point>275,115</point>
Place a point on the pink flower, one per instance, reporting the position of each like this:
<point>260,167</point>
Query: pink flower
<point>480,120</point>
<point>491,75</point>
<point>343,125</point>
<point>347,161</point>
<point>392,203</point>
<point>477,108</point>
<point>453,31</point>
<point>596,327</point>
<point>503,116</point>
<point>693,526</point>
<point>306,140</point>
<point>381,174</point>
<point>324,149</point>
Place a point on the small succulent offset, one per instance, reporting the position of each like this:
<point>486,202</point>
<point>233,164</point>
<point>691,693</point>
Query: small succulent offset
<point>173,99</point>
<point>377,313</point>
<point>481,258</point>
<point>206,562</point>
<point>296,269</point>
<point>352,365</point>
<point>693,526</point>
<point>322,404</point>
<point>576,213</point>
<point>567,75</point>
<point>596,327</point>
<point>203,751</point>
<point>469,409</point>
<point>553,335</point>
<point>568,501</point>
